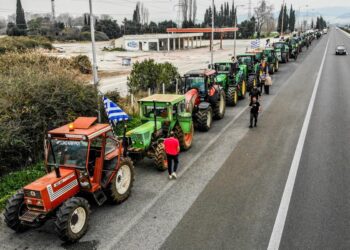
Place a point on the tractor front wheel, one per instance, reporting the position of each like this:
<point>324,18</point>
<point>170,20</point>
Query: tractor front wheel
<point>15,207</point>
<point>121,184</point>
<point>160,158</point>
<point>204,119</point>
<point>184,139</point>
<point>72,219</point>
<point>219,106</point>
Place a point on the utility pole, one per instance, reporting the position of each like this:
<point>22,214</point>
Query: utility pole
<point>53,12</point>
<point>249,9</point>
<point>235,32</point>
<point>94,58</point>
<point>282,23</point>
<point>212,34</point>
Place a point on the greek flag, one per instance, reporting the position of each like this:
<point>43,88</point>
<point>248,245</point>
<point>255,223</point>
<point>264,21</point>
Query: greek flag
<point>255,44</point>
<point>114,113</point>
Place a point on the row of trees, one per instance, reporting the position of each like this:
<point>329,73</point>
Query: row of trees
<point>287,19</point>
<point>320,23</point>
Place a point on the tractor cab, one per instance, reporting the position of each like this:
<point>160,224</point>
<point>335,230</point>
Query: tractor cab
<point>82,157</point>
<point>282,51</point>
<point>271,59</point>
<point>200,80</point>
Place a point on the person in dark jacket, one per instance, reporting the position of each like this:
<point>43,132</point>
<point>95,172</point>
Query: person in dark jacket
<point>254,112</point>
<point>255,92</point>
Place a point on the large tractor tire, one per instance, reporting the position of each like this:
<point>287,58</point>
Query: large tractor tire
<point>284,58</point>
<point>251,82</point>
<point>15,207</point>
<point>120,187</point>
<point>272,69</point>
<point>204,119</point>
<point>277,66</point>
<point>219,107</point>
<point>160,159</point>
<point>73,219</point>
<point>184,139</point>
<point>232,96</point>
<point>243,90</point>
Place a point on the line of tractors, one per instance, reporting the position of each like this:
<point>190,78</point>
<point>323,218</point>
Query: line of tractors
<point>85,161</point>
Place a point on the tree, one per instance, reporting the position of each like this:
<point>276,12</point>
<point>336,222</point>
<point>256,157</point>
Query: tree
<point>262,13</point>
<point>109,27</point>
<point>194,14</point>
<point>20,18</point>
<point>285,20</point>
<point>246,28</point>
<point>292,19</point>
<point>184,7</point>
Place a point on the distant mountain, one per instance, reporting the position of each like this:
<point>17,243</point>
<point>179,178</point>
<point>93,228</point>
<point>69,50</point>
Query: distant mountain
<point>344,16</point>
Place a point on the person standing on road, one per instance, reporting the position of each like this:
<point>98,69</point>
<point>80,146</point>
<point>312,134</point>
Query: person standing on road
<point>254,112</point>
<point>255,92</point>
<point>172,150</point>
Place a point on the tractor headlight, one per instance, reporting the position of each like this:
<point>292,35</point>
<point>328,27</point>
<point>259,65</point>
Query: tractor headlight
<point>32,194</point>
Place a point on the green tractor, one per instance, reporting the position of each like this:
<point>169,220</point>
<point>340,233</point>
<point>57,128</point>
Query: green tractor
<point>293,44</point>
<point>160,114</point>
<point>271,59</point>
<point>252,63</point>
<point>232,78</point>
<point>282,51</point>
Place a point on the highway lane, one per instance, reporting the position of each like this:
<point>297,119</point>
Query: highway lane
<point>156,206</point>
<point>319,212</point>
<point>237,209</point>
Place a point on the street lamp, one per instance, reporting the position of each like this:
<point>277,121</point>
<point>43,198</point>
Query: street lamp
<point>235,32</point>
<point>94,58</point>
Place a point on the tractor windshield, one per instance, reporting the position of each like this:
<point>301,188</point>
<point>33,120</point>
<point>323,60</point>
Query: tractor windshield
<point>223,67</point>
<point>279,45</point>
<point>68,153</point>
<point>148,111</point>
<point>197,82</point>
<point>244,60</point>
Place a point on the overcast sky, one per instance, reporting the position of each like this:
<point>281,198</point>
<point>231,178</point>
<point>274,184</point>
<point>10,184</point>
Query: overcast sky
<point>159,9</point>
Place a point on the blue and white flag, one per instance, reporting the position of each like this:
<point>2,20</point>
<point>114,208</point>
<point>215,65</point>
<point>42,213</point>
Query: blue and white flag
<point>255,44</point>
<point>115,114</point>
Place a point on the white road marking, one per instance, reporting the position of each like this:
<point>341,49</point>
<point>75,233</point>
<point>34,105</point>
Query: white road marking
<point>278,227</point>
<point>135,220</point>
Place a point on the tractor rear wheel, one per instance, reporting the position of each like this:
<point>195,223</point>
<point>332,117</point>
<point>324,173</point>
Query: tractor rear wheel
<point>120,187</point>
<point>160,158</point>
<point>15,207</point>
<point>277,66</point>
<point>184,139</point>
<point>251,82</point>
<point>243,90</point>
<point>219,106</point>
<point>72,219</point>
<point>232,96</point>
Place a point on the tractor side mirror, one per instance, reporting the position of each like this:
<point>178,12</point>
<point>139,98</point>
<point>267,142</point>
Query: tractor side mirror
<point>209,66</point>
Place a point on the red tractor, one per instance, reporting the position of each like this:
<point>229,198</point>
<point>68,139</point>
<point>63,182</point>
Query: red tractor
<point>83,159</point>
<point>204,98</point>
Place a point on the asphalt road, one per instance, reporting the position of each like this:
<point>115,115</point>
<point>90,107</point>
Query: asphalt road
<point>231,181</point>
<point>237,209</point>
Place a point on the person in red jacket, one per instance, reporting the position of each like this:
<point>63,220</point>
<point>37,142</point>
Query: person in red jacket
<point>172,150</point>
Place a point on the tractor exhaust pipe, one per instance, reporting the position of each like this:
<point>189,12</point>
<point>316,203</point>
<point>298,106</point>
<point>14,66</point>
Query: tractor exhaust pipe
<point>155,117</point>
<point>57,169</point>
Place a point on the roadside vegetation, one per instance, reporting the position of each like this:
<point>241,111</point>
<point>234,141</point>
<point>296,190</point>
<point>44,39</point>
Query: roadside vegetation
<point>23,43</point>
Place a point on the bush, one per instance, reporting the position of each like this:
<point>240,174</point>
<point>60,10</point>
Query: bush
<point>82,63</point>
<point>37,93</point>
<point>149,74</point>
<point>22,44</point>
<point>12,182</point>
<point>99,36</point>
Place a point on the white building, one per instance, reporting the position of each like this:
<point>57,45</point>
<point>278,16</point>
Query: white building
<point>160,42</point>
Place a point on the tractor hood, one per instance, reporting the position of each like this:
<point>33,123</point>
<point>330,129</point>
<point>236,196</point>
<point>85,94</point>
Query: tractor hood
<point>221,78</point>
<point>144,128</point>
<point>48,192</point>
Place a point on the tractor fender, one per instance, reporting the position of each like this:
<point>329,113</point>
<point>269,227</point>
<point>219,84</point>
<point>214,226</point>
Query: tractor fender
<point>192,99</point>
<point>204,105</point>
